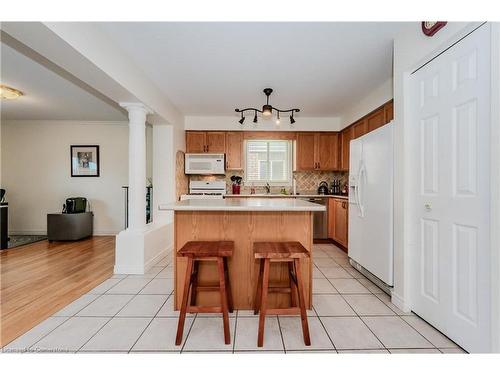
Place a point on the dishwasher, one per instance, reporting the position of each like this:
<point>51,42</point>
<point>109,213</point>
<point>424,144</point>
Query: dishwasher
<point>320,219</point>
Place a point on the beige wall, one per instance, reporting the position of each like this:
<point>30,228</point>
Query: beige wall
<point>36,172</point>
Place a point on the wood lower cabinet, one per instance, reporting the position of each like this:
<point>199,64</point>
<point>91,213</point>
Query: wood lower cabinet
<point>317,151</point>
<point>338,220</point>
<point>234,150</point>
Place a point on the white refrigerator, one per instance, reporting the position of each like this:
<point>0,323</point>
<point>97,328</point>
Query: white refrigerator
<point>371,202</point>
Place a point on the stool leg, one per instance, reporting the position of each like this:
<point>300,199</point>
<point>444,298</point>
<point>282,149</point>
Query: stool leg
<point>258,292</point>
<point>223,297</point>
<point>185,294</point>
<point>302,304</point>
<point>194,285</point>
<point>228,287</point>
<point>263,304</point>
<point>293,286</point>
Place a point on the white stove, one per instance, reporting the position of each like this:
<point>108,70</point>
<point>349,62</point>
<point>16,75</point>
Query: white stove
<point>205,190</point>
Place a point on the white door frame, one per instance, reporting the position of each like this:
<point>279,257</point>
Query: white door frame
<point>494,175</point>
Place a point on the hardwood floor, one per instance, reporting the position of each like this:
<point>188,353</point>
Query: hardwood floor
<point>39,279</point>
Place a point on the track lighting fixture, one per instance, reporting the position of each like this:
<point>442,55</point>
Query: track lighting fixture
<point>267,110</point>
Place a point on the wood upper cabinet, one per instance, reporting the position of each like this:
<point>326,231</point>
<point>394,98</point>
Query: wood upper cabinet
<point>234,150</point>
<point>389,111</point>
<point>306,151</point>
<point>375,120</point>
<point>196,142</point>
<point>317,151</point>
<point>216,142</point>
<point>359,129</point>
<point>338,220</point>
<point>327,146</point>
<point>345,139</point>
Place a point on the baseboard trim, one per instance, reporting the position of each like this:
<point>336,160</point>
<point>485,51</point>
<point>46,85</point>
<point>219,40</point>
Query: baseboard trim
<point>157,258</point>
<point>399,302</point>
<point>135,270</point>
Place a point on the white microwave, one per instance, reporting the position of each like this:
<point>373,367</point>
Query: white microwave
<point>204,164</point>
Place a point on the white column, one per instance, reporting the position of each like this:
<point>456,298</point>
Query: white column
<point>137,113</point>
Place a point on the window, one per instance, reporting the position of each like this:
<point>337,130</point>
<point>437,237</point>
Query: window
<point>268,161</point>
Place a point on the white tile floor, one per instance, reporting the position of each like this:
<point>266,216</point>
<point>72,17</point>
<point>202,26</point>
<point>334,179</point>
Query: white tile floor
<point>135,314</point>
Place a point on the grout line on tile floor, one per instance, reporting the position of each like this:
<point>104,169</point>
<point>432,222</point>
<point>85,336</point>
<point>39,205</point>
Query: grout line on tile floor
<point>189,331</point>
<point>281,334</point>
<point>235,328</point>
<point>326,331</point>
<point>147,326</point>
<point>359,317</point>
<point>114,316</point>
<point>52,330</point>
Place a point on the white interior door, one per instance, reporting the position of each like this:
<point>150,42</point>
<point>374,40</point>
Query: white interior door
<point>450,121</point>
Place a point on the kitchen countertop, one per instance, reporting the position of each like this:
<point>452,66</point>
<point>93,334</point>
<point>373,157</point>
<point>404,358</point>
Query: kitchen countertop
<point>255,204</point>
<point>277,195</point>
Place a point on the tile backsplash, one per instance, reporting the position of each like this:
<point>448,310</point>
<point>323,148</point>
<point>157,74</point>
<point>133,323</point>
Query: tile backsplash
<point>306,181</point>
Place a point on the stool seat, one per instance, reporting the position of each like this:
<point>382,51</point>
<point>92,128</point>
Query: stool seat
<point>207,249</point>
<point>279,250</point>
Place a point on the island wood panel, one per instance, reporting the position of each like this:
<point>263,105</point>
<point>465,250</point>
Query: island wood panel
<point>244,228</point>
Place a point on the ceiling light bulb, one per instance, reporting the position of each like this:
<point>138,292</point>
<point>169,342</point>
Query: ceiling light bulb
<point>292,120</point>
<point>7,92</point>
<point>242,120</point>
<point>267,110</point>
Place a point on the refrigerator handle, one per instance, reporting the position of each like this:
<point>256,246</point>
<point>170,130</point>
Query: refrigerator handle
<point>361,173</point>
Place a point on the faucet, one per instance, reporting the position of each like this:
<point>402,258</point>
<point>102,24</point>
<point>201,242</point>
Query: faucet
<point>268,188</point>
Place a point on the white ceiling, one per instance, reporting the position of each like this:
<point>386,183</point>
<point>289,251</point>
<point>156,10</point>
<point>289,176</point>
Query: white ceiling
<point>47,96</point>
<point>213,68</point>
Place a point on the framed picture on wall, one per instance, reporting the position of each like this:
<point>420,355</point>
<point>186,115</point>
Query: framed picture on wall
<point>84,160</point>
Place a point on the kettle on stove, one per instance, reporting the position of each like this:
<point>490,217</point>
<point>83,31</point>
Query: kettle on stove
<point>323,188</point>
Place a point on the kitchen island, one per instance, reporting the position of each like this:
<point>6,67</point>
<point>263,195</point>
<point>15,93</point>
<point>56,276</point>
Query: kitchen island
<point>243,221</point>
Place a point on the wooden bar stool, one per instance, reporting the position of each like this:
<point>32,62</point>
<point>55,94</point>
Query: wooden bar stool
<point>290,252</point>
<point>197,251</point>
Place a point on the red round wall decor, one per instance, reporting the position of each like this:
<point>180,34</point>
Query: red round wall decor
<point>430,28</point>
